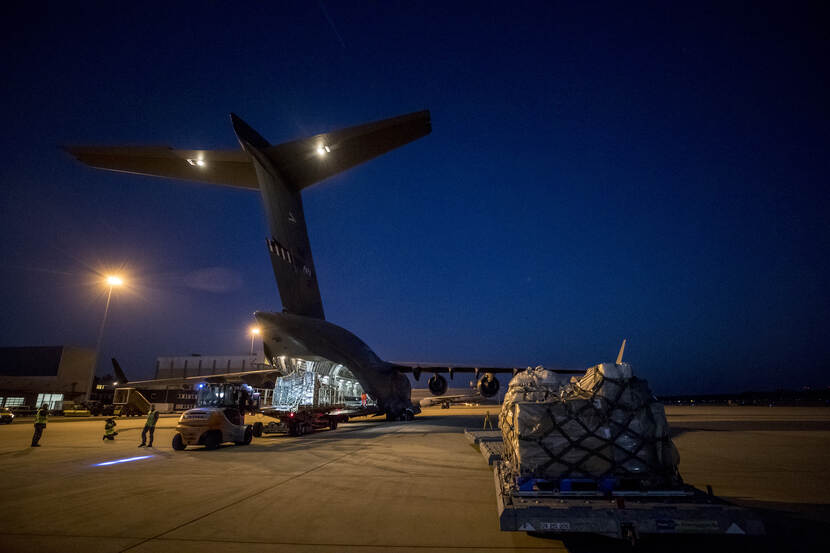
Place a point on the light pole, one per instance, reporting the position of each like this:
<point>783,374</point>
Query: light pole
<point>255,331</point>
<point>112,281</point>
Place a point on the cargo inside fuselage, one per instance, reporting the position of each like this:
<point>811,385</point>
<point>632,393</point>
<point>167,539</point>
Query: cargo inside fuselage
<point>316,384</point>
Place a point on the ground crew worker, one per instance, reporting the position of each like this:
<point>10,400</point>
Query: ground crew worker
<point>150,425</point>
<point>40,424</point>
<point>109,430</point>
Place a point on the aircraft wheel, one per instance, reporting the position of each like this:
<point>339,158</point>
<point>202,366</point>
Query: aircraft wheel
<point>178,442</point>
<point>257,430</point>
<point>213,440</point>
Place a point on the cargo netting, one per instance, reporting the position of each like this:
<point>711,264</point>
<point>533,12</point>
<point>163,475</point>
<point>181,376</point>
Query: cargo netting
<point>604,424</point>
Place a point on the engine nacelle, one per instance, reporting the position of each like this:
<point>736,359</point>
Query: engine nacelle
<point>437,385</point>
<point>488,385</point>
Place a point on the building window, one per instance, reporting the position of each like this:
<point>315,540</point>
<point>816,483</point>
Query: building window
<point>14,402</point>
<point>53,401</point>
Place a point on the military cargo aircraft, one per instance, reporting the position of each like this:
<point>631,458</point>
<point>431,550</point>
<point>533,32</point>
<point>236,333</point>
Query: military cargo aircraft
<point>300,335</point>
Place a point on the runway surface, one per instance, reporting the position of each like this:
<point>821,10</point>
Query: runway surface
<point>372,486</point>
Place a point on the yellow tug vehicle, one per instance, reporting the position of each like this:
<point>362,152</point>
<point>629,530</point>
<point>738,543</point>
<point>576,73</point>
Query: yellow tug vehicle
<point>219,417</point>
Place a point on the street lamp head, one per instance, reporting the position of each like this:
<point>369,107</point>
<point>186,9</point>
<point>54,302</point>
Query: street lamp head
<point>113,280</point>
<point>255,330</point>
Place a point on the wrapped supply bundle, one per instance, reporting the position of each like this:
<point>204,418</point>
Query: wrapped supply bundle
<point>606,423</point>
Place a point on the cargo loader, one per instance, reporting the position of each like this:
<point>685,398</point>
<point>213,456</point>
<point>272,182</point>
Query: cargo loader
<point>609,507</point>
<point>304,401</point>
<point>593,455</point>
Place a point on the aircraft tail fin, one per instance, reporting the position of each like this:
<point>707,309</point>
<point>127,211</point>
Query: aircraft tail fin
<point>120,377</point>
<point>622,350</point>
<point>284,170</point>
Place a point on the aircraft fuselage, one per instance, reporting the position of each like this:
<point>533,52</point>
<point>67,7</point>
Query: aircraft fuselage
<point>296,336</point>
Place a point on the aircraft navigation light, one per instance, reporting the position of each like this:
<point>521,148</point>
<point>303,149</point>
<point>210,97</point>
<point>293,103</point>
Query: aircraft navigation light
<point>113,280</point>
<point>117,461</point>
<point>322,149</point>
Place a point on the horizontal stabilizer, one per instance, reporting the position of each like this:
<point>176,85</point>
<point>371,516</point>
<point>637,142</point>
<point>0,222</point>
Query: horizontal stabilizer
<point>300,163</point>
<point>304,162</point>
<point>228,167</point>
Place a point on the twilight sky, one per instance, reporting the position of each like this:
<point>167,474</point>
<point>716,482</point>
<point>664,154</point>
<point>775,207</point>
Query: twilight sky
<point>595,172</point>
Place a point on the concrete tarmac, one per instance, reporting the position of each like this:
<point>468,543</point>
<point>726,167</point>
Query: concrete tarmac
<point>372,486</point>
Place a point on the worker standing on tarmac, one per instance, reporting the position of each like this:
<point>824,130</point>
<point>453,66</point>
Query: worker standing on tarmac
<point>152,418</point>
<point>109,430</point>
<point>40,424</point>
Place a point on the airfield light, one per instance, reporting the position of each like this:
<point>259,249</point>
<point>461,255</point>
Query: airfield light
<point>321,150</point>
<point>118,461</point>
<point>113,280</point>
<point>115,383</point>
<point>255,331</point>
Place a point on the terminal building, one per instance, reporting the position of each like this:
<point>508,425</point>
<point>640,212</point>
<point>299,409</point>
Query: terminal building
<point>32,376</point>
<point>185,366</point>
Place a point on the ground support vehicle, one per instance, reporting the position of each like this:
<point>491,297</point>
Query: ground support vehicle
<point>607,507</point>
<point>304,420</point>
<point>128,402</point>
<point>219,417</point>
<point>305,400</point>
<point>6,415</point>
<point>71,409</point>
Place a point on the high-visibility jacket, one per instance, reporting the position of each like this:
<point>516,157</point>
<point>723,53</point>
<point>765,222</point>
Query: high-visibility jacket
<point>109,428</point>
<point>152,417</point>
<point>42,415</point>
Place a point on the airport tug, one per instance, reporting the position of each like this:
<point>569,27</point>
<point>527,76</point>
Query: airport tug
<point>219,417</point>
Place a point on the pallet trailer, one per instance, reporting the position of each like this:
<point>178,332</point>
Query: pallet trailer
<point>573,506</point>
<point>302,421</point>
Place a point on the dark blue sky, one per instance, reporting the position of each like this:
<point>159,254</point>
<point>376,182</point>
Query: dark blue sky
<point>594,172</point>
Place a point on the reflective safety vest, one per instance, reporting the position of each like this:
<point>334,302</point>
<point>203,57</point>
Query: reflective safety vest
<point>109,428</point>
<point>42,415</point>
<point>152,417</point>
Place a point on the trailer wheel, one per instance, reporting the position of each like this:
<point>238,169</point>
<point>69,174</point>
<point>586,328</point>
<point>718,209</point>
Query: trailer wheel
<point>213,439</point>
<point>333,423</point>
<point>178,442</point>
<point>293,429</point>
<point>409,414</point>
<point>257,429</point>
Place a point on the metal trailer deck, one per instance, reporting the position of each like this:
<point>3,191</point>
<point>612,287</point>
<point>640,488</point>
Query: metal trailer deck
<point>624,514</point>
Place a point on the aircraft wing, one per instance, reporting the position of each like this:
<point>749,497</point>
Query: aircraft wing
<point>417,368</point>
<point>254,378</point>
<point>228,167</point>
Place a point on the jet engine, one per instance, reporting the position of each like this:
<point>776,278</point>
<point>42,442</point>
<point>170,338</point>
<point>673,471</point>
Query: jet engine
<point>437,385</point>
<point>488,385</point>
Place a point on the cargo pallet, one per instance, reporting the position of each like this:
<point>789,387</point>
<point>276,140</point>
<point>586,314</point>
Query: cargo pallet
<point>605,506</point>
